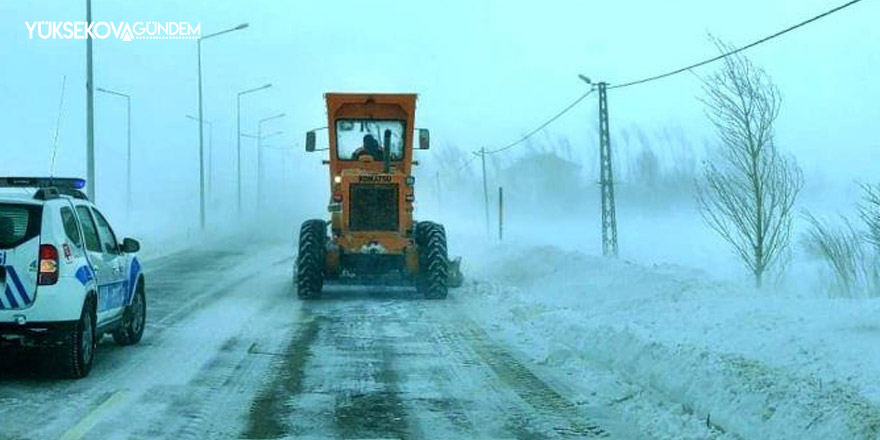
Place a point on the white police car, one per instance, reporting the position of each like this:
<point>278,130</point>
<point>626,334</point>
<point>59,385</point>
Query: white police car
<point>65,280</point>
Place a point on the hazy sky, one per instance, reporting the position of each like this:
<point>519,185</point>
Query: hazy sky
<point>486,72</point>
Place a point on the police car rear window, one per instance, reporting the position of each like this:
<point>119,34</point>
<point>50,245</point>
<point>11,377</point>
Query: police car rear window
<point>19,223</point>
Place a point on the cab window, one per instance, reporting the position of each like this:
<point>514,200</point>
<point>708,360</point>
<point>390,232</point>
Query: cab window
<point>105,233</point>
<point>71,229</point>
<point>366,137</point>
<point>93,243</point>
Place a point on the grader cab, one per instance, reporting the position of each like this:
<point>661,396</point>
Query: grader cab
<point>371,237</point>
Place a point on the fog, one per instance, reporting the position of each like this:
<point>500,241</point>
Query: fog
<point>250,333</point>
<point>485,73</point>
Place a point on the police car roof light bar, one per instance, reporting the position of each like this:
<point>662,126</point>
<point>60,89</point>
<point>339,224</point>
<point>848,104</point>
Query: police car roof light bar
<point>47,187</point>
<point>43,182</point>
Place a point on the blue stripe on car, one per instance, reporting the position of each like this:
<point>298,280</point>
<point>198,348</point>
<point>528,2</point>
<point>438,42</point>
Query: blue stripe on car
<point>12,302</point>
<point>22,292</point>
<point>111,296</point>
<point>84,274</point>
<point>134,270</point>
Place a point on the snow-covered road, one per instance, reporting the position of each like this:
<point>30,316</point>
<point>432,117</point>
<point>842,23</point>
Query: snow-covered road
<point>230,352</point>
<point>539,343</point>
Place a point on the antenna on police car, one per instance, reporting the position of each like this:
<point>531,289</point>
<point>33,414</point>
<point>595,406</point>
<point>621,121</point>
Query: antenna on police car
<point>57,129</point>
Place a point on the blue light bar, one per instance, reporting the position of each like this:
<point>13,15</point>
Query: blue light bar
<point>43,182</point>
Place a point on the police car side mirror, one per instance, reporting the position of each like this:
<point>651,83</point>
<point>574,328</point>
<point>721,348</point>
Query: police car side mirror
<point>310,141</point>
<point>424,139</point>
<point>130,246</point>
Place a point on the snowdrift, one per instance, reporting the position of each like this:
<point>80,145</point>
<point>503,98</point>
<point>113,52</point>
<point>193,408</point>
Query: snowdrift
<point>751,364</point>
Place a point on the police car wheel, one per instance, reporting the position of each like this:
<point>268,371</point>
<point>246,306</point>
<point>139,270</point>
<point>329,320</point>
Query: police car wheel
<point>133,320</point>
<point>78,351</point>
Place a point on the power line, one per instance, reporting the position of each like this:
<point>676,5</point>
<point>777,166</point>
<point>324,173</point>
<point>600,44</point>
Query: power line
<point>468,162</point>
<point>736,51</point>
<point>671,73</point>
<point>540,127</point>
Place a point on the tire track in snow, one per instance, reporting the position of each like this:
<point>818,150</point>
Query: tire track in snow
<point>529,387</point>
<point>170,279</point>
<point>204,277</point>
<point>269,410</point>
<point>215,401</point>
<point>369,411</point>
<point>338,377</point>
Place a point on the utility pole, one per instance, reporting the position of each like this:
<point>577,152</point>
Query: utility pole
<point>90,110</point>
<point>210,172</point>
<point>485,188</point>
<point>439,191</point>
<point>128,157</point>
<point>606,179</point>
<point>500,213</point>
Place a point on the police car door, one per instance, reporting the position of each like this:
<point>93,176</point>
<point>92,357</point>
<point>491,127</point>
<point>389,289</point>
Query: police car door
<point>102,263</point>
<point>117,291</point>
<point>19,249</point>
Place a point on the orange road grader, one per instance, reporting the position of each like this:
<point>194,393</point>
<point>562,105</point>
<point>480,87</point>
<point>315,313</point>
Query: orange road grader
<point>371,237</point>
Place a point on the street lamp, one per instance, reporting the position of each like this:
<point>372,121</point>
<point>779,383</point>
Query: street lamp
<point>210,125</point>
<point>201,131</point>
<point>128,149</point>
<point>260,155</point>
<point>283,160</point>
<point>90,110</point>
<point>238,138</point>
<point>267,136</point>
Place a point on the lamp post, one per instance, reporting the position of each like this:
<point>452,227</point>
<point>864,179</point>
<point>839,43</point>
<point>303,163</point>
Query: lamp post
<point>210,185</point>
<point>283,160</point>
<point>201,131</point>
<point>90,110</point>
<point>128,148</point>
<point>238,138</point>
<point>260,155</point>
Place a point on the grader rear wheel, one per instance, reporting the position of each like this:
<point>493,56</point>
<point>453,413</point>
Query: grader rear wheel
<point>433,260</point>
<point>310,261</point>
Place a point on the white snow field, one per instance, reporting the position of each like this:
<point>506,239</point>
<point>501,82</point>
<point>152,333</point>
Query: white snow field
<point>749,364</point>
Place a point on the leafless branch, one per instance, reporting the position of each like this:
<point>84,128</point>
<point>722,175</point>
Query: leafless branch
<point>748,196</point>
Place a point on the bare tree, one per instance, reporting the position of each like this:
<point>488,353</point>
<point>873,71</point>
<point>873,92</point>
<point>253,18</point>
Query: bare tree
<point>869,211</point>
<point>748,195</point>
<point>842,250</point>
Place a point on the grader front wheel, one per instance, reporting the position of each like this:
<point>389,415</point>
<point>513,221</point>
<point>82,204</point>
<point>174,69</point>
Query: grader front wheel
<point>433,260</point>
<point>310,260</point>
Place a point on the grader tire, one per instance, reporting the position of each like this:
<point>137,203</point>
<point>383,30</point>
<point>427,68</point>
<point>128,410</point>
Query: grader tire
<point>433,260</point>
<point>310,260</point>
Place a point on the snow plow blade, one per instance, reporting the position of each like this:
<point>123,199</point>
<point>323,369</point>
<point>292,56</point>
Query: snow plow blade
<point>455,278</point>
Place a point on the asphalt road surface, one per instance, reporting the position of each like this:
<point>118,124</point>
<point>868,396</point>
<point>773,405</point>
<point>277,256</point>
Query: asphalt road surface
<point>230,352</point>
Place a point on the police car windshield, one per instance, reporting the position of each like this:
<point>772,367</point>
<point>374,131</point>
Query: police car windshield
<point>356,138</point>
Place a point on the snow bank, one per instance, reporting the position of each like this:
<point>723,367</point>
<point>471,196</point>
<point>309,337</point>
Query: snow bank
<point>756,365</point>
